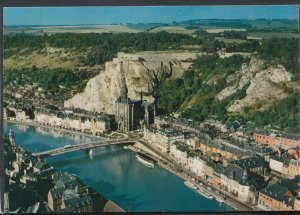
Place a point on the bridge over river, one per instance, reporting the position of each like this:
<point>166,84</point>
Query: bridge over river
<point>82,146</point>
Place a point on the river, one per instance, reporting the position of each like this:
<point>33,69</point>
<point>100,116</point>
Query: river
<point>115,173</point>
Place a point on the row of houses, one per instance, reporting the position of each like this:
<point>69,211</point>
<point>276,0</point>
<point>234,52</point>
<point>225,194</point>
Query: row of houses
<point>243,133</point>
<point>68,195</point>
<point>85,122</point>
<point>283,195</point>
<point>285,165</point>
<point>97,124</point>
<point>243,173</point>
<point>276,139</point>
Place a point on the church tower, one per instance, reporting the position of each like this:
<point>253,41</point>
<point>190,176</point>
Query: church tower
<point>129,113</point>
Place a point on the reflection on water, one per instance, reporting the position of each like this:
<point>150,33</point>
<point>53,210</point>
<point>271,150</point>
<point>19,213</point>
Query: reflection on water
<point>115,173</point>
<point>37,139</point>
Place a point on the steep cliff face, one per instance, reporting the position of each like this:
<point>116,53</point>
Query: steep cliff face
<point>266,87</point>
<point>263,86</point>
<point>141,78</point>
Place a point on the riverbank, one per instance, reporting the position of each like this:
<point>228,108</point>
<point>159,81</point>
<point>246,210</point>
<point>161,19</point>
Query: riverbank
<point>169,164</point>
<point>166,162</point>
<point>54,128</point>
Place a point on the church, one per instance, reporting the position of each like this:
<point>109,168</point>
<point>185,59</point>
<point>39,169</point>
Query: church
<point>132,114</point>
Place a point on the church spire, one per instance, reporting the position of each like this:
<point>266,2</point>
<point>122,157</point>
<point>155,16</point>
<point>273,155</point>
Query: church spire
<point>124,89</point>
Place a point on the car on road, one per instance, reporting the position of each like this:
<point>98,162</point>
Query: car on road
<point>201,184</point>
<point>209,188</point>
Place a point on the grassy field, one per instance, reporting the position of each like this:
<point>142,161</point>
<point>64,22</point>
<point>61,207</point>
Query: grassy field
<point>172,29</point>
<point>144,27</point>
<point>73,29</point>
<point>219,30</point>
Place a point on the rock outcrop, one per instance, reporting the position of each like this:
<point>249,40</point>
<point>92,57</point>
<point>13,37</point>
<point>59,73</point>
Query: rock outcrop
<point>264,86</point>
<point>141,74</point>
<point>240,78</point>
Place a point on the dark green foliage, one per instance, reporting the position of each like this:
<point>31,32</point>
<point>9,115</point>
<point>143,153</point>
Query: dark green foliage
<point>249,46</point>
<point>234,23</point>
<point>174,92</point>
<point>235,35</point>
<point>284,114</point>
<point>211,45</point>
<point>206,63</point>
<point>50,80</point>
<point>281,51</point>
<point>104,46</point>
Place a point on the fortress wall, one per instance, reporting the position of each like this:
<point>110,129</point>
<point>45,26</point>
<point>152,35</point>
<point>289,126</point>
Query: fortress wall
<point>160,57</point>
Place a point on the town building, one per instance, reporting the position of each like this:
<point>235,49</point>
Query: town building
<point>163,138</point>
<point>244,178</point>
<point>285,166</point>
<point>254,164</point>
<point>131,114</point>
<point>276,139</point>
<point>68,195</point>
<point>241,183</point>
<point>180,153</point>
<point>281,196</point>
<point>194,143</point>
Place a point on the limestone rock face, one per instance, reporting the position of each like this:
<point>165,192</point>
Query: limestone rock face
<point>102,91</point>
<point>264,86</point>
<point>240,78</point>
<point>264,89</point>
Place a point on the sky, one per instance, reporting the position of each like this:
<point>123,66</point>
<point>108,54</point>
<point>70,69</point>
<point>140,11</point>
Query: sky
<point>140,14</point>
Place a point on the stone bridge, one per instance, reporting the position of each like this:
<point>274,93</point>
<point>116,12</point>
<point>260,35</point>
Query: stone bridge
<point>86,146</point>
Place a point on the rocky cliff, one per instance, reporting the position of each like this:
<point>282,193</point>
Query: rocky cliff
<point>141,78</point>
<point>264,86</point>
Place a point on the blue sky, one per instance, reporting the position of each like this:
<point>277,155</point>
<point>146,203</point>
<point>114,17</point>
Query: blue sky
<point>138,14</point>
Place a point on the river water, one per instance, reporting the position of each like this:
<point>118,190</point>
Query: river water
<point>115,173</point>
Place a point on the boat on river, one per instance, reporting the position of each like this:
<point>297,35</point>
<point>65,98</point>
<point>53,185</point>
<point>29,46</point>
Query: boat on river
<point>144,159</point>
<point>205,194</point>
<point>190,185</point>
<point>219,200</point>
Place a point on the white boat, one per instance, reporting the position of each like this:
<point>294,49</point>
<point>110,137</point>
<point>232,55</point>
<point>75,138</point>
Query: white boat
<point>125,147</point>
<point>219,200</point>
<point>190,185</point>
<point>205,194</point>
<point>143,159</point>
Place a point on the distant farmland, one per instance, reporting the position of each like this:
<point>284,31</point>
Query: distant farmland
<point>173,29</point>
<point>219,30</point>
<point>72,29</point>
